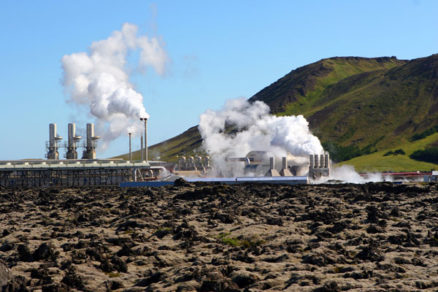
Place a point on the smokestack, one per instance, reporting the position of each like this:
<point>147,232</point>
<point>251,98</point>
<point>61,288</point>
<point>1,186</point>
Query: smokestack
<point>52,152</point>
<point>327,160</point>
<point>311,161</point>
<point>141,147</point>
<point>52,135</point>
<point>316,161</point>
<point>145,138</point>
<point>130,152</point>
<point>146,150</point>
<point>90,147</point>
<point>72,140</point>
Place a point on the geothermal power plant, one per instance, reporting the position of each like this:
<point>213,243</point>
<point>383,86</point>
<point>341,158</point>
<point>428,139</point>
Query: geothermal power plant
<point>84,169</point>
<point>72,171</point>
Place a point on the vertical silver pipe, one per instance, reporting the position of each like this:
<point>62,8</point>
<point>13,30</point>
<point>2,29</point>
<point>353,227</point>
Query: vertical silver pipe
<point>130,152</point>
<point>271,163</point>
<point>311,160</point>
<point>145,138</point>
<point>321,161</point>
<point>146,156</point>
<point>141,147</point>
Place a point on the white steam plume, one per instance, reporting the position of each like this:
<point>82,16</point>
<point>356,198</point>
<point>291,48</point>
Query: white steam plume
<point>99,80</point>
<point>347,174</point>
<point>257,131</point>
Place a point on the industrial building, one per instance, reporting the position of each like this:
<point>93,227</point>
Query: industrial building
<point>73,172</point>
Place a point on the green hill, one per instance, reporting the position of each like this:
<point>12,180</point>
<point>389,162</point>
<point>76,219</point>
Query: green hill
<point>358,107</point>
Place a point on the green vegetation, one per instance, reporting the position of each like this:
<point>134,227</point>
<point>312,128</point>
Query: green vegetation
<point>340,153</point>
<point>424,134</point>
<point>336,69</point>
<point>240,241</point>
<point>378,162</point>
<point>427,155</point>
<point>395,152</point>
<point>113,274</point>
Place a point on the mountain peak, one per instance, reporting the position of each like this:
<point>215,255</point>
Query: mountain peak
<point>312,78</point>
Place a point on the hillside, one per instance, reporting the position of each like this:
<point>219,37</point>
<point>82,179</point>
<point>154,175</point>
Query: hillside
<point>356,106</point>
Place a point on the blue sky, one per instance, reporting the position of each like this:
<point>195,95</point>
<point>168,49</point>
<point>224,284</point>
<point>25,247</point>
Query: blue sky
<point>218,50</point>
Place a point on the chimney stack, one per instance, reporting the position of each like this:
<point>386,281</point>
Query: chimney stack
<point>90,147</point>
<point>141,147</point>
<point>52,152</point>
<point>72,140</point>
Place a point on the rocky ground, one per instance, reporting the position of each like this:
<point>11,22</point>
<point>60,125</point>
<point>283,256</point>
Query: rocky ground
<point>199,237</point>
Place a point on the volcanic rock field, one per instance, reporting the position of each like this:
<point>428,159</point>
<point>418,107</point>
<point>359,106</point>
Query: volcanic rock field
<point>212,237</point>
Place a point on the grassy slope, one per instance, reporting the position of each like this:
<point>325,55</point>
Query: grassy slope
<point>338,69</point>
<point>377,162</point>
<point>385,108</point>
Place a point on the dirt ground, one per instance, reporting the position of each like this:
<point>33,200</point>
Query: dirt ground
<point>207,237</point>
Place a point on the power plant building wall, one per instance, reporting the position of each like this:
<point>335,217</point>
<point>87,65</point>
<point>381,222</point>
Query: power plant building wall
<point>73,173</point>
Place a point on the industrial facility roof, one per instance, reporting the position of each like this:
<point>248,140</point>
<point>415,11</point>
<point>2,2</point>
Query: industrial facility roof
<point>70,164</point>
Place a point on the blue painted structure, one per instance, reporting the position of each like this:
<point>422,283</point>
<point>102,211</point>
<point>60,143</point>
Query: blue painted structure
<point>284,180</point>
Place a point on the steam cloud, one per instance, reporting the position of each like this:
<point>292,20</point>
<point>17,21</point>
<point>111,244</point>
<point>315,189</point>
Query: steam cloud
<point>99,80</point>
<point>256,130</point>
